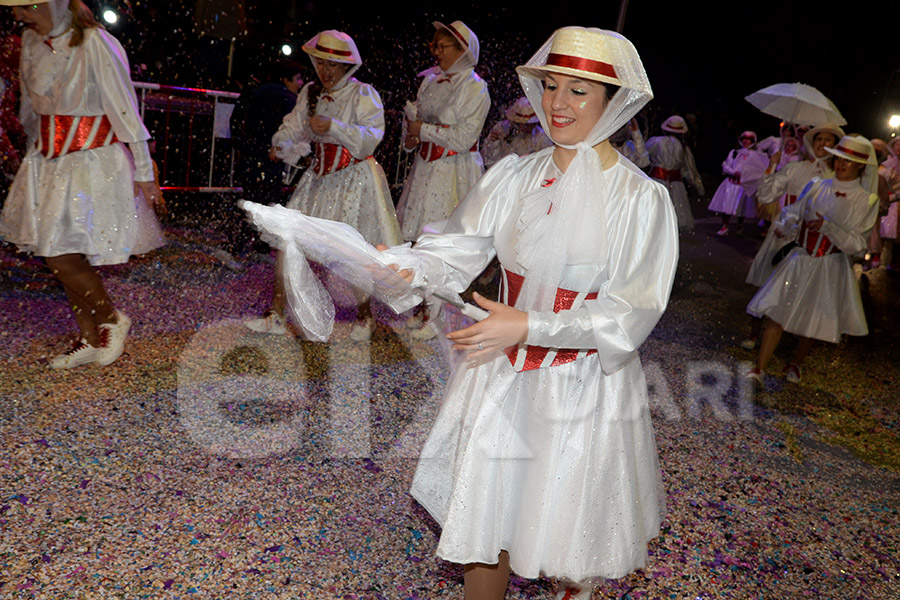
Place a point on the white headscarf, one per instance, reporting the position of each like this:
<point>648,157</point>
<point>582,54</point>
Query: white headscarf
<point>466,38</point>
<point>580,198</point>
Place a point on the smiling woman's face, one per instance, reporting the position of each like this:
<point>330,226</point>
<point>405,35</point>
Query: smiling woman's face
<point>330,72</point>
<point>572,107</point>
<point>35,16</point>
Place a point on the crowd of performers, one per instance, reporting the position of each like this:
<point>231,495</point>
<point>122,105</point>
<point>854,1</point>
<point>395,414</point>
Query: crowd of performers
<point>826,203</point>
<point>550,411</point>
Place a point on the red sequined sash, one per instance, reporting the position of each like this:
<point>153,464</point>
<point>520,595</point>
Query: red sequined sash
<point>62,134</point>
<point>332,157</point>
<point>815,243</point>
<point>526,357</point>
<point>665,174</point>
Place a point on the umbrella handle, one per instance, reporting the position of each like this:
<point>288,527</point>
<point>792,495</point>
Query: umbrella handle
<point>474,312</point>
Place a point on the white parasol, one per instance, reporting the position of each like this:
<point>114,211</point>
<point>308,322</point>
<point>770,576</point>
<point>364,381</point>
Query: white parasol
<point>796,103</point>
<point>342,250</point>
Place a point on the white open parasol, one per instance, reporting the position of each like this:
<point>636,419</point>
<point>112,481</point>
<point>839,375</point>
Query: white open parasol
<point>796,103</point>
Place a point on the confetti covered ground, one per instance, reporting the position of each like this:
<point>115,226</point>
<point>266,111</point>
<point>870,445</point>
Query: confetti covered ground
<point>213,462</point>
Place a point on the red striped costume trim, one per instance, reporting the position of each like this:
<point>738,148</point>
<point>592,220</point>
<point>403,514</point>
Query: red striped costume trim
<point>63,134</point>
<point>332,157</point>
<point>535,357</point>
<point>582,64</point>
<point>333,51</point>
<point>815,242</point>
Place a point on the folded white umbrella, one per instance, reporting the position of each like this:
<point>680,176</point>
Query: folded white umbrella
<point>796,103</point>
<point>341,249</point>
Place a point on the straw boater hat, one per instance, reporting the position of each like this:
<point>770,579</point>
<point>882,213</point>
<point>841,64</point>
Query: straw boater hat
<point>855,148</point>
<point>333,45</point>
<point>465,36</point>
<point>674,124</point>
<point>521,112</point>
<point>578,53</point>
<point>810,135</point>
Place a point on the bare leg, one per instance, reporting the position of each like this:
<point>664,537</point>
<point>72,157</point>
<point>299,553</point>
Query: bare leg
<point>771,335</point>
<point>86,294</point>
<point>277,305</point>
<point>363,306</point>
<point>803,347</point>
<point>487,582</point>
<point>755,327</point>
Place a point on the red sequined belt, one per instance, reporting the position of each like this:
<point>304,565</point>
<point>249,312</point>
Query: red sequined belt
<point>526,358</point>
<point>430,151</point>
<point>62,134</point>
<point>665,174</point>
<point>735,179</point>
<point>815,242</point>
<point>332,157</point>
<point>790,199</point>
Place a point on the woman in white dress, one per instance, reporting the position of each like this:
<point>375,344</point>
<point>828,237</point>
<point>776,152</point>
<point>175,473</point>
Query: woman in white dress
<point>80,198</point>
<point>443,128</point>
<point>450,110</point>
<point>342,120</point>
<point>671,162</point>
<point>784,186</point>
<point>813,292</point>
<point>542,459</point>
<point>743,167</point>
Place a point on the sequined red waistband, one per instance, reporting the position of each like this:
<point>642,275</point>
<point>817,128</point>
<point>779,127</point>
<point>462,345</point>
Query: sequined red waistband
<point>665,174</point>
<point>332,157</point>
<point>815,242</point>
<point>535,357</point>
<point>430,151</point>
<point>63,134</point>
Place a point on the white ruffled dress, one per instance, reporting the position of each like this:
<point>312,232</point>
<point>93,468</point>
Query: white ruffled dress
<point>557,464</point>
<point>82,202</point>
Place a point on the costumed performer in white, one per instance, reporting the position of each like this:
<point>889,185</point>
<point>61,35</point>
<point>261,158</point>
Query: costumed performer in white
<point>784,186</point>
<point>343,119</point>
<point>542,459</point>
<point>519,133</point>
<point>630,144</point>
<point>813,293</point>
<point>443,128</point>
<point>80,198</point>
<point>671,162</point>
<point>735,196</point>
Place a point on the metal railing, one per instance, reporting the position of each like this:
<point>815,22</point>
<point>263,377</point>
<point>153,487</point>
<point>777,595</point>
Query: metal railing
<point>190,126</point>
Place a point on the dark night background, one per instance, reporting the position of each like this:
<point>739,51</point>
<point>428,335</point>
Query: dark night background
<point>702,57</point>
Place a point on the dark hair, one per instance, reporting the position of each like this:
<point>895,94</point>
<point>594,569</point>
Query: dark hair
<point>82,19</point>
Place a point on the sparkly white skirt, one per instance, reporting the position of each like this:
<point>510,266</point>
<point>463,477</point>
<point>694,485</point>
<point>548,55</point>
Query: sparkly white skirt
<point>80,203</point>
<point>433,189</point>
<point>358,195</point>
<point>558,466</point>
<point>816,297</point>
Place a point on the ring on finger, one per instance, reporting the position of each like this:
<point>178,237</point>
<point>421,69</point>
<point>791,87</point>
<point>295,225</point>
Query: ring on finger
<point>480,347</point>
